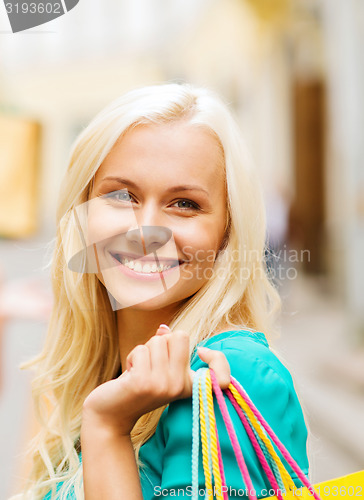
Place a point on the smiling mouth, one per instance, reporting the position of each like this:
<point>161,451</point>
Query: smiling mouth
<point>146,266</point>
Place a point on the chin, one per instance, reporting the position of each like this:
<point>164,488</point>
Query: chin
<point>149,303</point>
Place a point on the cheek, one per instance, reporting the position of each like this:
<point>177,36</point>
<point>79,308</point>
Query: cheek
<point>105,222</point>
<point>199,245</point>
<point>97,229</point>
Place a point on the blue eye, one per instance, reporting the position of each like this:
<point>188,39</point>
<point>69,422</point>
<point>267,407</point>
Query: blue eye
<point>118,196</point>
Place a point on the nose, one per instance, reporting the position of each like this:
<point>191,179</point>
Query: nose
<point>149,238</point>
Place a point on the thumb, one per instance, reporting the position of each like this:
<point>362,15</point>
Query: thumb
<point>219,364</point>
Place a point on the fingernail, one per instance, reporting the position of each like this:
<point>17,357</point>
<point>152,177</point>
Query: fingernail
<point>164,326</point>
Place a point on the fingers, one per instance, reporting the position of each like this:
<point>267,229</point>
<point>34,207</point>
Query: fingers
<point>158,346</point>
<point>178,363</point>
<point>162,329</point>
<point>163,364</point>
<point>218,362</point>
<point>159,355</point>
<point>131,358</point>
<point>138,359</point>
<point>178,346</point>
<point>179,353</point>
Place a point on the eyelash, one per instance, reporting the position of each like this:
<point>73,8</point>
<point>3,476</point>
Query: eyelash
<point>113,195</point>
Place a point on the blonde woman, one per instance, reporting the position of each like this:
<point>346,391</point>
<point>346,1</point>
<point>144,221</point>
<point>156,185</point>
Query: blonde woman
<point>162,192</point>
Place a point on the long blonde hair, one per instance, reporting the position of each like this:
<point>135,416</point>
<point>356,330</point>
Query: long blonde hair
<point>81,348</point>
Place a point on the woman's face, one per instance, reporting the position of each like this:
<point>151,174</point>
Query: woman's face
<point>158,200</point>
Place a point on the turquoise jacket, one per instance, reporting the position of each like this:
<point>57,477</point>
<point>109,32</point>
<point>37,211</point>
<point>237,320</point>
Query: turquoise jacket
<point>167,454</point>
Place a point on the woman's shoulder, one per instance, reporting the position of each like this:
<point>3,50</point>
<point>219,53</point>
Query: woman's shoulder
<point>246,351</point>
<point>236,336</point>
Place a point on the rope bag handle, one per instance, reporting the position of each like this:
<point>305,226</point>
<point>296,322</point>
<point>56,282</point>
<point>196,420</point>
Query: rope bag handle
<point>259,432</point>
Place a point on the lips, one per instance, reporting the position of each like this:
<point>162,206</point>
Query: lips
<point>147,259</point>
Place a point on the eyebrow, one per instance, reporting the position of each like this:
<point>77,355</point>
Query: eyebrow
<point>174,189</point>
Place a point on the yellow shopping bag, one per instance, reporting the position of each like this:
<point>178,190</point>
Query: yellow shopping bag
<point>350,486</point>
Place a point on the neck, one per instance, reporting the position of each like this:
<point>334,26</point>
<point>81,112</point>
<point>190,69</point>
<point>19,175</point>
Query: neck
<point>137,327</point>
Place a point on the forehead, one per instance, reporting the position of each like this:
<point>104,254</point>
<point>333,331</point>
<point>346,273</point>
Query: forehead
<point>173,150</point>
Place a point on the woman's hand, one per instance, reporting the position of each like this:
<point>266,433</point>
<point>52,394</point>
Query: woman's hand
<point>157,373</point>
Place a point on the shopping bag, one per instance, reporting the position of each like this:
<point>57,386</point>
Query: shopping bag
<point>262,438</point>
<point>350,486</point>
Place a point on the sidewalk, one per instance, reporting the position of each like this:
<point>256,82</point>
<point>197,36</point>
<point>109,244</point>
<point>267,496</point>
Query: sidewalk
<point>22,339</point>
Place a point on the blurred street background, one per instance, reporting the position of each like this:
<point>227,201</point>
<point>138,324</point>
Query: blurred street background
<point>293,73</point>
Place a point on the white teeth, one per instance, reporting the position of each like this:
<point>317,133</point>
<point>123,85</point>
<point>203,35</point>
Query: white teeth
<point>145,268</point>
<point>138,267</point>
